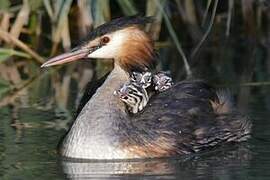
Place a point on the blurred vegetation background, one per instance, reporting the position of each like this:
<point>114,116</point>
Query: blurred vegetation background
<point>226,42</point>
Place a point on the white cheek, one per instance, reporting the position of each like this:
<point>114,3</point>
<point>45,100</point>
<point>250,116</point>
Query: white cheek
<point>111,49</point>
<point>103,52</point>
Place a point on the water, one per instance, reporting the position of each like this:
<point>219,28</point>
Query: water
<point>29,137</point>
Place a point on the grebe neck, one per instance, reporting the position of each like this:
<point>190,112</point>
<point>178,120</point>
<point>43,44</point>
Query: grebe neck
<point>92,135</point>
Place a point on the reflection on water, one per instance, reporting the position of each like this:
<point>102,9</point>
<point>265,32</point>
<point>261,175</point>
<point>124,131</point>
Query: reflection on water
<point>28,142</point>
<point>223,162</point>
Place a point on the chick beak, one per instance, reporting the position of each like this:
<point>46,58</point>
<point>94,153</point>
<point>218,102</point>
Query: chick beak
<point>73,55</point>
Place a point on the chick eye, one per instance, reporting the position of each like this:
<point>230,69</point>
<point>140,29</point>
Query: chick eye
<point>105,40</point>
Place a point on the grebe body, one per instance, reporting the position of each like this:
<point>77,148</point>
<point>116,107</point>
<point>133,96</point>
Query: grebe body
<point>189,117</point>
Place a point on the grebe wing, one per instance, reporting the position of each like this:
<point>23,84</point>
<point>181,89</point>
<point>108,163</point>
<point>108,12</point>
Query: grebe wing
<point>184,97</point>
<point>184,114</point>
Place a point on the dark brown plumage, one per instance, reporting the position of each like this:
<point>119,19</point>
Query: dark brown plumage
<point>118,24</point>
<point>188,121</point>
<point>185,122</point>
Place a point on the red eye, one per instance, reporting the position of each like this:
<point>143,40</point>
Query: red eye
<point>105,40</point>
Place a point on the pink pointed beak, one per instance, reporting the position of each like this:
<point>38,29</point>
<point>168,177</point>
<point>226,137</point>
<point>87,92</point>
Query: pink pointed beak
<point>67,57</point>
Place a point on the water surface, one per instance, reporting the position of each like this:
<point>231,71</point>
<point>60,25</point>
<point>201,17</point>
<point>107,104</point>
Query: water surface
<point>29,137</point>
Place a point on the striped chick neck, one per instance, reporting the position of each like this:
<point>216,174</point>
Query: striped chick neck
<point>134,96</point>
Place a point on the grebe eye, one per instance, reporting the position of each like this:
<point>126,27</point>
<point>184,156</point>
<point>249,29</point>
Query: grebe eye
<point>105,40</point>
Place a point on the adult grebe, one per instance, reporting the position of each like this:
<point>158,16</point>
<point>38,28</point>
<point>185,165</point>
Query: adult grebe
<point>189,117</point>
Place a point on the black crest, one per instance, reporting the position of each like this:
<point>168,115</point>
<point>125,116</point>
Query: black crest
<point>117,24</point>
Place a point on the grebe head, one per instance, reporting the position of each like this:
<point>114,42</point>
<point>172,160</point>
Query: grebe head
<point>121,39</point>
<point>133,95</point>
<point>162,81</point>
<point>143,79</point>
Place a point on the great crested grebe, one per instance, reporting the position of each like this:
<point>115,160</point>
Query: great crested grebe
<point>134,96</point>
<point>187,118</point>
<point>143,79</point>
<point>141,86</point>
<point>162,81</point>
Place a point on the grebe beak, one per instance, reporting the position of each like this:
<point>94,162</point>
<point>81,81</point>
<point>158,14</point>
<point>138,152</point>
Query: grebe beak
<point>73,55</point>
